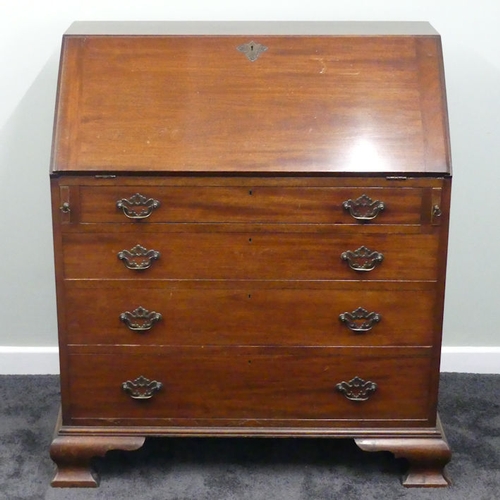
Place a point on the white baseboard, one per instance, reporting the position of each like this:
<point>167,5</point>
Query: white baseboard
<point>45,360</point>
<point>29,360</point>
<point>470,359</point>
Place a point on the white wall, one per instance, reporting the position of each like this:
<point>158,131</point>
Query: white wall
<point>30,34</point>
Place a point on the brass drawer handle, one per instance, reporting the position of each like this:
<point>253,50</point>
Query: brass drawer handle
<point>363,259</point>
<point>137,206</point>
<point>140,319</point>
<point>141,388</point>
<point>436,211</point>
<point>364,208</point>
<point>138,258</point>
<point>360,320</point>
<point>65,208</point>
<point>357,389</point>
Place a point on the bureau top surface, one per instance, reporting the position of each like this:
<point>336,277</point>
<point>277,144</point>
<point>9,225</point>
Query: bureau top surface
<point>241,97</point>
<point>222,28</point>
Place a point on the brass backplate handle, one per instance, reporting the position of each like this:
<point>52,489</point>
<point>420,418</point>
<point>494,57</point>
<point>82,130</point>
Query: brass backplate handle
<point>140,319</point>
<point>138,258</point>
<point>364,209</point>
<point>360,320</point>
<point>363,259</point>
<point>357,389</point>
<point>137,206</point>
<point>141,388</point>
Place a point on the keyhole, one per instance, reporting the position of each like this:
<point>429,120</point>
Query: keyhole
<point>250,192</point>
<point>249,295</point>
<point>251,48</point>
<point>249,240</point>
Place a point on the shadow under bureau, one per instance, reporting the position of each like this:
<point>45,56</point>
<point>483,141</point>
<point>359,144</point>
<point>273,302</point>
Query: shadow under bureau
<point>250,233</point>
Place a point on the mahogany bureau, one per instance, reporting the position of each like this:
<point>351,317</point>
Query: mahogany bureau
<point>250,230</point>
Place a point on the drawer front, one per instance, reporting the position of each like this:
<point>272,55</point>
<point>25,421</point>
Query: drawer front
<point>250,204</point>
<point>211,384</point>
<point>259,256</point>
<point>249,316</point>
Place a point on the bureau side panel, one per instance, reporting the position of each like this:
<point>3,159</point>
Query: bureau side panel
<point>433,105</point>
<point>66,139</point>
<point>58,219</point>
<point>443,221</point>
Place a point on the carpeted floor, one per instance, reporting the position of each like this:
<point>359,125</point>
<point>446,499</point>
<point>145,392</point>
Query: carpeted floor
<point>250,469</point>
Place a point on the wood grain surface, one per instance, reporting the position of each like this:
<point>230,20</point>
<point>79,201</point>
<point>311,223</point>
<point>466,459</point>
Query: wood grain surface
<point>244,383</point>
<point>249,316</point>
<point>307,104</point>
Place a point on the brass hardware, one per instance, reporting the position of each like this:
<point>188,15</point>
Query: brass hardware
<point>362,259</point>
<point>435,203</point>
<point>353,320</point>
<point>140,319</point>
<point>138,258</point>
<point>128,206</point>
<point>396,178</point>
<point>141,387</point>
<point>364,208</point>
<point>252,50</point>
<point>357,389</point>
<point>436,211</point>
<point>65,208</point>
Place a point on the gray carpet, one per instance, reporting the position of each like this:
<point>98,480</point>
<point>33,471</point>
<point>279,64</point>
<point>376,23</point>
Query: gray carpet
<point>250,469</point>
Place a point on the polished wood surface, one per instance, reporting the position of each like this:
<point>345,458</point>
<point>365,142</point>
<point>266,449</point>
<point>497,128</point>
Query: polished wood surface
<point>242,173</point>
<point>248,256</point>
<point>180,104</point>
<point>265,383</point>
<point>249,316</point>
<point>427,456</point>
<point>262,204</point>
<point>74,455</point>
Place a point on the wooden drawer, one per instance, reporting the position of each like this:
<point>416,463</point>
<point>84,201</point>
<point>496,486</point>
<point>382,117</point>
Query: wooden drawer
<point>214,385</point>
<point>264,256</point>
<point>248,204</point>
<point>248,316</point>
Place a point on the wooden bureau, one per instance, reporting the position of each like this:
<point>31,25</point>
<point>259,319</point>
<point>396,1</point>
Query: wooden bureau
<point>250,233</point>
